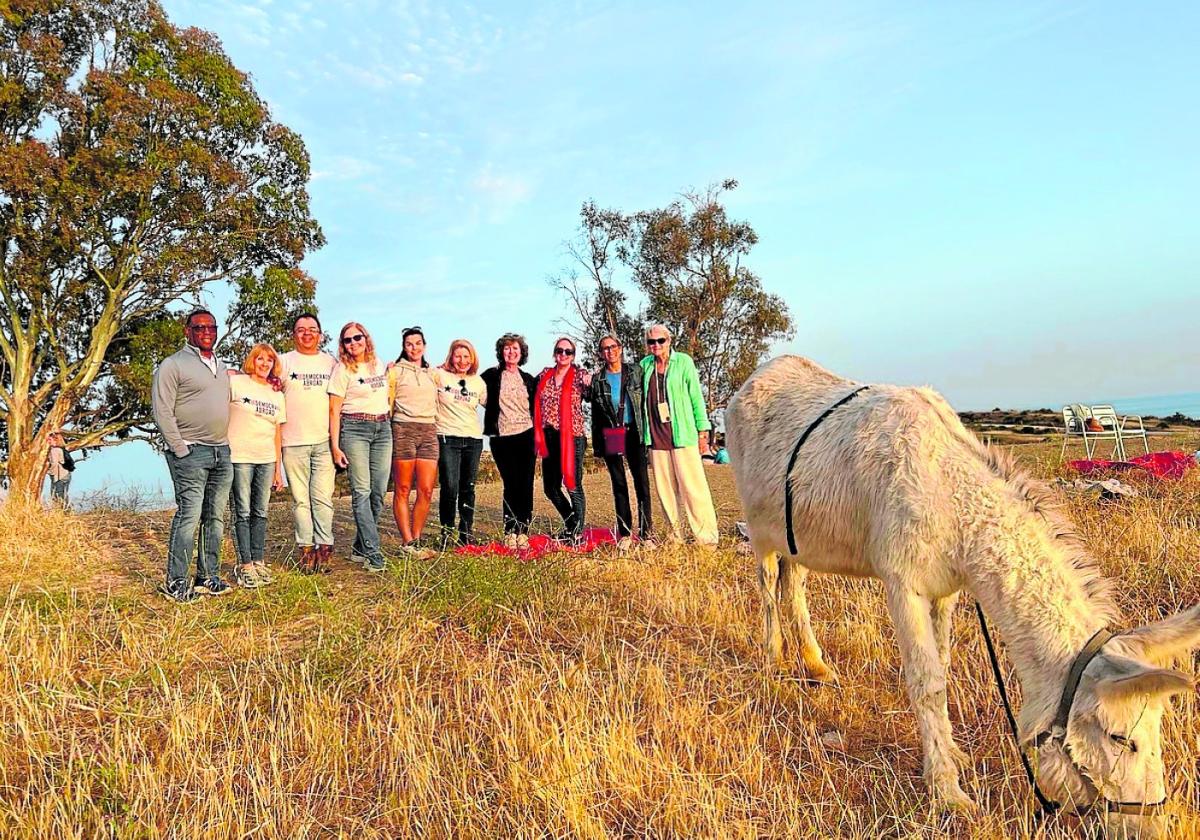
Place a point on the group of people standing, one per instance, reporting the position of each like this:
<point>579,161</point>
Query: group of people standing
<point>303,414</point>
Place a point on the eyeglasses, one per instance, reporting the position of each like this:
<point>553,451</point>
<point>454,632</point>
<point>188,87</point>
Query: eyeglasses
<point>563,351</point>
<point>306,331</point>
<point>350,339</point>
<point>212,328</point>
<point>608,347</point>
<point>653,341</point>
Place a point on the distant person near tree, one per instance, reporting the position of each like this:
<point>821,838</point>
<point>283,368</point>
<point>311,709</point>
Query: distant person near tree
<point>617,417</point>
<point>190,401</point>
<point>307,461</point>
<point>256,414</point>
<point>460,441</point>
<point>61,467</point>
<point>359,436</point>
<point>508,422</point>
<point>675,417</point>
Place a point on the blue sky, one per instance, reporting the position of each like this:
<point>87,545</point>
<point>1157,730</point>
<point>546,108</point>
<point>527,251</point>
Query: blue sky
<point>997,199</point>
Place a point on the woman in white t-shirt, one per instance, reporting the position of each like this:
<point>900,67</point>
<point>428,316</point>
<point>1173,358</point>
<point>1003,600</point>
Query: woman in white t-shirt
<point>460,439</point>
<point>256,414</point>
<point>360,437</point>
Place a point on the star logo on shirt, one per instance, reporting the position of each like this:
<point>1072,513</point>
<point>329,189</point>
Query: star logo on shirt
<point>362,381</point>
<point>245,401</point>
<point>294,375</point>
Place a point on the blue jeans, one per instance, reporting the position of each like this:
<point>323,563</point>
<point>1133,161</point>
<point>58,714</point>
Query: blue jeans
<point>368,448</point>
<point>202,479</point>
<point>251,496</point>
<point>58,490</point>
<point>458,464</point>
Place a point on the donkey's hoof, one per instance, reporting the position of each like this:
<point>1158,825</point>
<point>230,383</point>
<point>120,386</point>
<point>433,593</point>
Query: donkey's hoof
<point>821,674</point>
<point>952,799</point>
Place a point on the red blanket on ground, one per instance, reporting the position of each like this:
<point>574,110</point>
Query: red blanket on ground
<point>540,544</point>
<point>1160,464</point>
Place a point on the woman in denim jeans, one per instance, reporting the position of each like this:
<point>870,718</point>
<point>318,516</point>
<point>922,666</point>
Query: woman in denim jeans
<point>460,440</point>
<point>360,436</point>
<point>256,415</point>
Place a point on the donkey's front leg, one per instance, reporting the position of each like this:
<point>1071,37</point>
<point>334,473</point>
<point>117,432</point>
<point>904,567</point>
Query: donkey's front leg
<point>925,676</point>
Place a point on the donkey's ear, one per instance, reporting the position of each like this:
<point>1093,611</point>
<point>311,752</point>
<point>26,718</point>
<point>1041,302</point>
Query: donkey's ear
<point>1122,679</point>
<point>1167,640</point>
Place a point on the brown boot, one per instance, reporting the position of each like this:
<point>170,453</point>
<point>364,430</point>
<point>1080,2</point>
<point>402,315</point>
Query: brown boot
<point>304,564</point>
<point>321,562</point>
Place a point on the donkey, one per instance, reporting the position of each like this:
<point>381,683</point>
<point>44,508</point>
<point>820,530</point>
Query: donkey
<point>891,485</point>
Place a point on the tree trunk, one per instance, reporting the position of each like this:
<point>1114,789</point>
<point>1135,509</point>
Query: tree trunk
<point>28,454</point>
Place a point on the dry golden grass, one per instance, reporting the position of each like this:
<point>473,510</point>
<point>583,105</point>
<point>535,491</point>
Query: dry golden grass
<point>483,697</point>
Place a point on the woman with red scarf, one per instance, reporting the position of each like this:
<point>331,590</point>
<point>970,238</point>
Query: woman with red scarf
<point>559,436</point>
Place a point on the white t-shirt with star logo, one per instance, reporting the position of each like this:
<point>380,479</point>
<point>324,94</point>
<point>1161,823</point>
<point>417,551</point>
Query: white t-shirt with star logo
<point>254,412</point>
<point>306,394</point>
<point>364,391</point>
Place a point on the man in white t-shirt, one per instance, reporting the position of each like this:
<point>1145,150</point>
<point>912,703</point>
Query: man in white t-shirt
<point>306,457</point>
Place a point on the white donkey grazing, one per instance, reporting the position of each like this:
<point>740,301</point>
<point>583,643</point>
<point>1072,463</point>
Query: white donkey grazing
<point>891,485</point>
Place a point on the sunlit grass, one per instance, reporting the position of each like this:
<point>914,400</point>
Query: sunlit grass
<point>488,697</point>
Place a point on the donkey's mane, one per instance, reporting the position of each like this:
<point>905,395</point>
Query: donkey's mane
<point>1044,504</point>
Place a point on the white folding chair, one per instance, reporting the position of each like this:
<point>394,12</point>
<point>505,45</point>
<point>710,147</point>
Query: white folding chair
<point>1129,426</point>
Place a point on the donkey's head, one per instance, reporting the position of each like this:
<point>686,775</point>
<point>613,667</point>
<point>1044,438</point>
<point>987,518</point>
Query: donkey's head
<point>1109,759</point>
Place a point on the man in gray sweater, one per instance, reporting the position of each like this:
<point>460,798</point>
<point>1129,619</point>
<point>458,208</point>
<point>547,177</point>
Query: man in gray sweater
<point>190,398</point>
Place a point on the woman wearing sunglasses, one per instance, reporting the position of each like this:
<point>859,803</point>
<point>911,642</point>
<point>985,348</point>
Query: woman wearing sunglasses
<point>413,399</point>
<point>460,440</point>
<point>559,436</point>
<point>359,437</point>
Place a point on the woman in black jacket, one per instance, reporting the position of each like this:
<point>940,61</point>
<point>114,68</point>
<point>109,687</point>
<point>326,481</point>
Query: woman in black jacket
<point>616,397</point>
<point>508,422</point>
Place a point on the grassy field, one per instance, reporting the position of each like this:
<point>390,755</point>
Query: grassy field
<point>592,696</point>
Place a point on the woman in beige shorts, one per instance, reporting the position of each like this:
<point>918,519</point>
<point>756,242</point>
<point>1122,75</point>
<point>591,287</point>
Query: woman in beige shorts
<point>414,436</point>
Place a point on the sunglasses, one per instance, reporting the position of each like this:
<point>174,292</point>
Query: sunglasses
<point>608,347</point>
<point>563,351</point>
<point>653,341</point>
<point>350,339</point>
<point>203,328</point>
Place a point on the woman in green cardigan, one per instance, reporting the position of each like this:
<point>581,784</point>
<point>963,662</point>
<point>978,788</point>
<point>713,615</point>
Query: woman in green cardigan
<point>675,416</point>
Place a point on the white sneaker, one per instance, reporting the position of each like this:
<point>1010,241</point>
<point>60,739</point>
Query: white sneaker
<point>263,571</point>
<point>624,544</point>
<point>246,576</point>
<point>522,542</point>
<point>510,541</point>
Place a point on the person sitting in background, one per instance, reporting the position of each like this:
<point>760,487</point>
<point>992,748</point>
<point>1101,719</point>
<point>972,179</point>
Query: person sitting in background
<point>508,421</point>
<point>675,419</point>
<point>307,461</point>
<point>616,397</point>
<point>559,436</point>
<point>256,414</point>
<point>460,441</point>
<point>190,403</point>
<point>413,400</point>
<point>61,467</point>
<point>359,437</point>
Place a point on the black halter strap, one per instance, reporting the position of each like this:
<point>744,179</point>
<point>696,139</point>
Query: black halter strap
<point>1058,729</point>
<point>787,476</point>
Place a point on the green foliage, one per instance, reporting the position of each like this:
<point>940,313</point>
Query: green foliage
<point>685,262</point>
<point>137,166</point>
